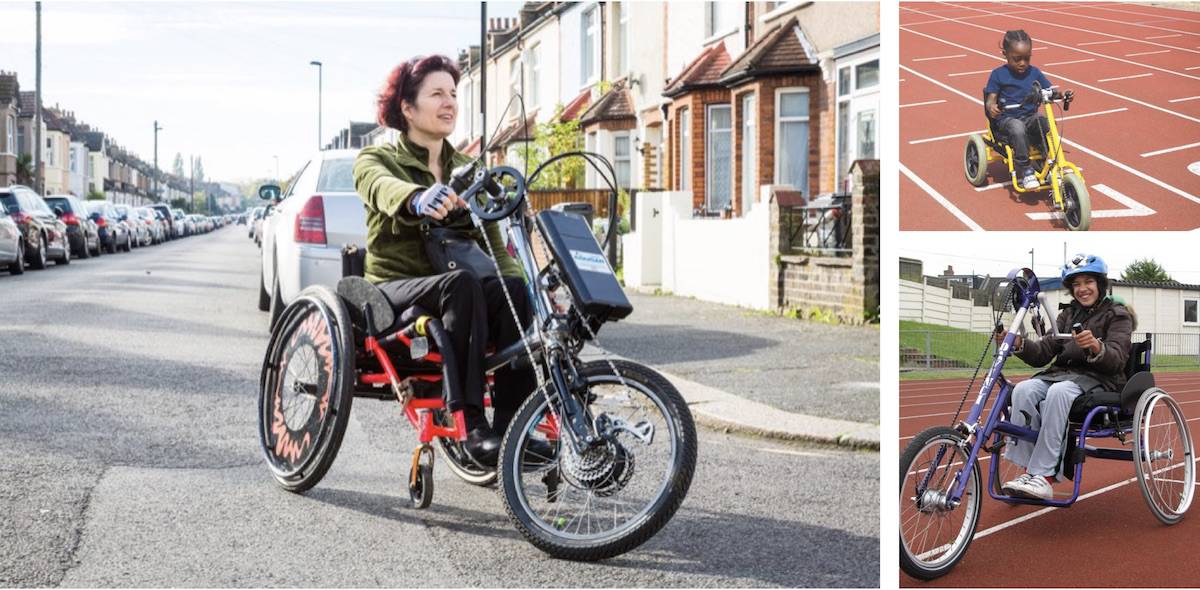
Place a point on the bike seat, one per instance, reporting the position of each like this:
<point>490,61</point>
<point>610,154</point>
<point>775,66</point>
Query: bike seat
<point>1126,399</point>
<point>359,293</point>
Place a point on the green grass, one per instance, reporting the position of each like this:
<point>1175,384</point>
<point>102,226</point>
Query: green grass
<point>953,344</point>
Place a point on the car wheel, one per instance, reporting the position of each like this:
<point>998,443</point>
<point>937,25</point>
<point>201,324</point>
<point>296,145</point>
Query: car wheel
<point>276,307</point>
<point>66,255</point>
<point>264,298</point>
<point>18,265</point>
<point>39,260</point>
<point>84,251</point>
<point>128,243</point>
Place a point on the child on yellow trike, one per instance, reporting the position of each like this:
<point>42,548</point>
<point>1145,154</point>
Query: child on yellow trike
<point>1021,137</point>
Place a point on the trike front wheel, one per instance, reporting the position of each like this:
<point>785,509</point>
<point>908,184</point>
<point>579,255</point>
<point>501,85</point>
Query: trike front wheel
<point>618,492</point>
<point>935,532</point>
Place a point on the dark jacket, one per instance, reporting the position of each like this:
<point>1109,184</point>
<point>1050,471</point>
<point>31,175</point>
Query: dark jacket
<point>386,177</point>
<point>1109,321</point>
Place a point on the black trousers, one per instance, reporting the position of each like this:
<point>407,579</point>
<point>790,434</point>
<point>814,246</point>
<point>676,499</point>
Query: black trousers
<point>1022,134</point>
<point>475,314</point>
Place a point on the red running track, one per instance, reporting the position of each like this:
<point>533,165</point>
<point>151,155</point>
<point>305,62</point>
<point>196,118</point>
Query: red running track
<point>1108,539</point>
<point>1134,127</point>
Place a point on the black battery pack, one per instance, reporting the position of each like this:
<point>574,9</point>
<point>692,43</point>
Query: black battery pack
<point>593,286</point>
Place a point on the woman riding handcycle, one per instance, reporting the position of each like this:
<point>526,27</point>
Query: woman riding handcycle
<point>1099,386</point>
<point>593,458</point>
<point>1027,141</point>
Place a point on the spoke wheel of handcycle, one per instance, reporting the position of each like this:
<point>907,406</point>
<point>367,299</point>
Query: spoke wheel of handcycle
<point>1165,460</point>
<point>975,160</point>
<point>456,458</point>
<point>1077,205</point>
<point>618,493</point>
<point>934,537</point>
<point>306,389</point>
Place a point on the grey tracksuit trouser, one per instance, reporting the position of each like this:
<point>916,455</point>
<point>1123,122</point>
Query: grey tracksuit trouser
<point>1050,420</point>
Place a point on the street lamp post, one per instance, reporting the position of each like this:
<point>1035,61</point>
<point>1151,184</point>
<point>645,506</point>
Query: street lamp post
<point>276,167</point>
<point>319,82</point>
<point>157,128</point>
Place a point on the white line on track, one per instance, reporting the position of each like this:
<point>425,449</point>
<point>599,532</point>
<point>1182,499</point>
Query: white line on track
<point>1093,153</point>
<point>1074,61</point>
<point>921,104</point>
<point>1079,116</point>
<point>1098,42</point>
<point>1143,23</point>
<point>1184,99</point>
<point>980,189</point>
<point>1132,207</point>
<point>943,201</point>
<point>969,73</point>
<point>900,80</point>
<point>1125,77</point>
<point>1192,68</point>
<point>1147,53</point>
<point>1164,36</point>
<point>1066,79</point>
<point>1169,150</point>
<point>940,57</point>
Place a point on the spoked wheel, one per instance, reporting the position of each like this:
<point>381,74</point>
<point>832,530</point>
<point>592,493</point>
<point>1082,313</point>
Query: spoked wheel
<point>1165,461</point>
<point>975,160</point>
<point>934,535</point>
<point>617,493</point>
<point>456,457</point>
<point>306,389</point>
<point>1077,205</point>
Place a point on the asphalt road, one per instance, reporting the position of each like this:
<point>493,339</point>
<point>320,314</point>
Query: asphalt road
<point>128,390</point>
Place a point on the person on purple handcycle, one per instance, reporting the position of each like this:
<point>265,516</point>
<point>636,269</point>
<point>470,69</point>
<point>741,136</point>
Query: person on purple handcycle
<point>1093,360</point>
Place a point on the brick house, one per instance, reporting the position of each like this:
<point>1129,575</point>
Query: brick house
<point>27,132</point>
<point>10,105</point>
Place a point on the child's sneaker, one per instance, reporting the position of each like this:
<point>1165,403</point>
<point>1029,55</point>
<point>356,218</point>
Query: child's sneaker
<point>1030,181</point>
<point>1035,486</point>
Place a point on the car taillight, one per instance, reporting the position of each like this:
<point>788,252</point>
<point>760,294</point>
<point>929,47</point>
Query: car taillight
<point>100,222</point>
<point>20,217</point>
<point>70,219</point>
<point>310,222</point>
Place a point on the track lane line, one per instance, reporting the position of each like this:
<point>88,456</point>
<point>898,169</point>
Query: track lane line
<point>1148,53</point>
<point>1097,43</point>
<point>1169,150</point>
<point>1147,74</point>
<point>1077,61</point>
<point>1132,207</point>
<point>943,201</point>
<point>921,104</point>
<point>1164,36</point>
<point>970,73</point>
<point>1067,118</point>
<point>1184,99</point>
<point>1074,144</point>
<point>939,57</point>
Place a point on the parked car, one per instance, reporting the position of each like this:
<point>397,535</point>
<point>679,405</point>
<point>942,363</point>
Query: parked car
<point>167,218</point>
<point>302,239</point>
<point>153,225</point>
<point>179,218</point>
<point>12,247</point>
<point>113,234</point>
<point>82,232</point>
<point>137,228</point>
<point>256,216</point>
<point>44,233</point>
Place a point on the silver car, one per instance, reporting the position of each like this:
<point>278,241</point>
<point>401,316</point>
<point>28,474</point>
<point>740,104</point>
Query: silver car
<point>12,252</point>
<point>303,235</point>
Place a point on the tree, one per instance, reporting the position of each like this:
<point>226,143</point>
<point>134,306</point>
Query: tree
<point>199,171</point>
<point>25,169</point>
<point>177,168</point>
<point>1146,269</point>
<point>550,139</point>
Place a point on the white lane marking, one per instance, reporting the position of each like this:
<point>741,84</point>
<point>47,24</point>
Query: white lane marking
<point>1132,207</point>
<point>1169,150</point>
<point>1064,78</point>
<point>1098,42</point>
<point>1194,168</point>
<point>1126,77</point>
<point>1164,36</point>
<point>921,104</point>
<point>1079,116</point>
<point>1184,99</point>
<point>1086,150</point>
<point>943,201</point>
<point>1147,53</point>
<point>970,73</point>
<point>940,57</point>
<point>980,189</point>
<point>1192,68</point>
<point>900,80</point>
<point>1074,61</point>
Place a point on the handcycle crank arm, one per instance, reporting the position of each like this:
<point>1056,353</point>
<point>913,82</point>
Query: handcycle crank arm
<point>574,417</point>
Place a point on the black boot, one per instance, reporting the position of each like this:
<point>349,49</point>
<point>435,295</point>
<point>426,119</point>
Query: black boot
<point>483,446</point>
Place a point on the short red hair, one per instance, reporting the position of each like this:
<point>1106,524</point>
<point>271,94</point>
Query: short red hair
<point>403,83</point>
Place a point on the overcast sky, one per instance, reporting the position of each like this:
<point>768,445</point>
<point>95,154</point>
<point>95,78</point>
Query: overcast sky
<point>996,253</point>
<point>230,82</point>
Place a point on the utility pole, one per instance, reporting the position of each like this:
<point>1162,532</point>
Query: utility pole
<point>483,53</point>
<point>39,180</point>
<point>192,183</point>
<point>276,167</point>
<point>157,197</point>
<point>320,69</point>
<point>1031,266</point>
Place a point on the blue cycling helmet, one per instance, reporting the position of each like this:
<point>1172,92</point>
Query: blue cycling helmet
<point>1086,264</point>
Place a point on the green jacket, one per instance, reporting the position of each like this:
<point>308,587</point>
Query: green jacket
<point>386,177</point>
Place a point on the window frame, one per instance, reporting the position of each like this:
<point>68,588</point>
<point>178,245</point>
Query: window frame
<point>685,148</point>
<point>846,103</point>
<point>589,66</point>
<point>749,163</point>
<point>623,48</point>
<point>627,159</point>
<point>780,120</point>
<point>1183,314</point>
<point>534,62</point>
<point>709,157</point>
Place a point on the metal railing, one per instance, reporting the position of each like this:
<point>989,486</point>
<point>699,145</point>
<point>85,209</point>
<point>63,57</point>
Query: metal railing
<point>821,227</point>
<point>956,350</point>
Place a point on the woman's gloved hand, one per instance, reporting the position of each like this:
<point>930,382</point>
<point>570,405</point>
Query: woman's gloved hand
<point>436,202</point>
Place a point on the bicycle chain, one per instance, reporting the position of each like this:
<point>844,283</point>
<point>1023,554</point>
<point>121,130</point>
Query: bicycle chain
<point>986,347</point>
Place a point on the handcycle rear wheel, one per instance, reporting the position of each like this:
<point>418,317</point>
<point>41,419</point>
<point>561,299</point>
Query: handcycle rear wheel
<point>975,160</point>
<point>927,469</point>
<point>1077,204</point>
<point>614,496</point>
<point>1165,460</point>
<point>306,388</point>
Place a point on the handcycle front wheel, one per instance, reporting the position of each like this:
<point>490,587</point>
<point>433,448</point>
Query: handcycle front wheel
<point>306,388</point>
<point>934,535</point>
<point>1077,204</point>
<point>616,494</point>
<point>975,160</point>
<point>1165,460</point>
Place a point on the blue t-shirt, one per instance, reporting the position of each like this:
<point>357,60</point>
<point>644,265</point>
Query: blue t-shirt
<point>1012,89</point>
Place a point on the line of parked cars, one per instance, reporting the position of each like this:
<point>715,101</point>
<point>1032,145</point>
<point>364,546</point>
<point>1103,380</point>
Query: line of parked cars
<point>35,230</point>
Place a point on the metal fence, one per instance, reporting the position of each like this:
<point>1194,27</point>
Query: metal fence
<point>949,350</point>
<point>821,227</point>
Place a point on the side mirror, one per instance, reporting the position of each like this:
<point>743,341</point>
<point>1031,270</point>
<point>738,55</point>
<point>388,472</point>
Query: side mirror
<point>58,211</point>
<point>270,192</point>
<point>123,218</point>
